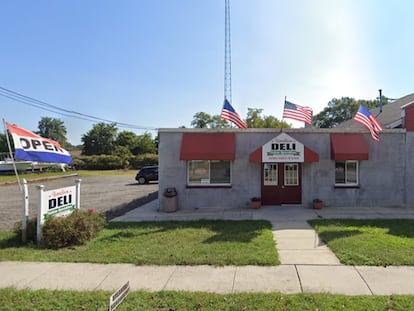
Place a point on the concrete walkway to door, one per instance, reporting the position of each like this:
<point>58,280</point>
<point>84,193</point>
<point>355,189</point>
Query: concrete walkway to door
<point>296,241</point>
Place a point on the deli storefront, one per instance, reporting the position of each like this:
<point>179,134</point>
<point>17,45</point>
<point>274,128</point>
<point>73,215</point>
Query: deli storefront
<point>281,169</point>
<point>225,168</point>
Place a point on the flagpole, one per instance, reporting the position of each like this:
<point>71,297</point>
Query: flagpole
<point>380,100</point>
<point>283,118</point>
<point>11,155</point>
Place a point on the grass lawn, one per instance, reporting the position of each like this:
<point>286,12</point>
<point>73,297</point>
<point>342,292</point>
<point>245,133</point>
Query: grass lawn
<point>11,299</point>
<point>161,243</point>
<point>376,242</point>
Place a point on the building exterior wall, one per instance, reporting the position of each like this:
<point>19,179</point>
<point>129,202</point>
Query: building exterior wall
<point>385,179</point>
<point>409,173</point>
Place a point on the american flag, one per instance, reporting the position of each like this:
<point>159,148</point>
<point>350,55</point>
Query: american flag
<point>364,117</point>
<point>228,113</point>
<point>298,113</point>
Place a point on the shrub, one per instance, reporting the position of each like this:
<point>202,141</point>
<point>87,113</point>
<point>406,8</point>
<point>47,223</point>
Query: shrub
<point>78,163</point>
<point>31,232</point>
<point>74,229</point>
<point>111,162</point>
<point>141,160</point>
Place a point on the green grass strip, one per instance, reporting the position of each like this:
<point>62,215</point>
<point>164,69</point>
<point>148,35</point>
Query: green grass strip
<point>211,242</point>
<point>372,242</point>
<point>81,173</point>
<point>39,300</point>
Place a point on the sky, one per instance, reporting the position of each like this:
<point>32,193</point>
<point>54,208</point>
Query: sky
<point>156,63</point>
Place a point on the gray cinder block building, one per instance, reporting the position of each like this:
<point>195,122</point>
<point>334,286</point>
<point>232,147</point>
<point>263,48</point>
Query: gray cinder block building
<point>344,166</point>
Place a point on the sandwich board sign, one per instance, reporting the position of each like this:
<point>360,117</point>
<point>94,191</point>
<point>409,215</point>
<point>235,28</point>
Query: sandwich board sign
<point>56,202</point>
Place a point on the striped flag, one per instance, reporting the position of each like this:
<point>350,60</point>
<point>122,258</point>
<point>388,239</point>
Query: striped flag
<point>298,113</point>
<point>364,117</point>
<point>32,147</point>
<point>228,113</point>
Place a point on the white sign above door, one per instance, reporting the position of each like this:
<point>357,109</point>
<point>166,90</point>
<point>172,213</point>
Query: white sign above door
<point>283,148</point>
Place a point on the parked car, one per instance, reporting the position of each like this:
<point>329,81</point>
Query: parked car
<point>147,174</point>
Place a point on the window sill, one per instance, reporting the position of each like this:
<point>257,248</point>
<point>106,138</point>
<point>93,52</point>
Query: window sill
<point>207,186</point>
<point>346,187</point>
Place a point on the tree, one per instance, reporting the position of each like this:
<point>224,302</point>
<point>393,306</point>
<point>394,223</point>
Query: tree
<point>127,139</point>
<point>273,122</point>
<point>340,110</point>
<point>54,129</point>
<point>100,139</point>
<point>145,144</point>
<point>3,143</point>
<point>136,144</point>
<point>201,120</point>
<point>218,122</point>
<point>255,120</point>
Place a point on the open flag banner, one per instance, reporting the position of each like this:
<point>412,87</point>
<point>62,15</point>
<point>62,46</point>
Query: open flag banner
<point>32,147</point>
<point>298,113</point>
<point>228,113</point>
<point>364,117</point>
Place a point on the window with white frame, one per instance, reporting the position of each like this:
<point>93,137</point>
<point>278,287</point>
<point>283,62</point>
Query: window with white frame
<point>270,174</point>
<point>291,174</point>
<point>346,173</point>
<point>208,172</point>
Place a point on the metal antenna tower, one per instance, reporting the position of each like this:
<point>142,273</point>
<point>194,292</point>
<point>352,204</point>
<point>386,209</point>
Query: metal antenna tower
<point>227,55</point>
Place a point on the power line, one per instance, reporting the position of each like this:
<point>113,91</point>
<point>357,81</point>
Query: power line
<point>30,101</point>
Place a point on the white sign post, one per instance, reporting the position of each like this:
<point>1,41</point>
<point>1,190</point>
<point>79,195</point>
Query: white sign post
<point>57,202</point>
<point>25,210</point>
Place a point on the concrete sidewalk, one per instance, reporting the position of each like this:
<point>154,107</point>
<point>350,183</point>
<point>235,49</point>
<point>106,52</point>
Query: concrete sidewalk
<point>307,264</point>
<point>287,279</point>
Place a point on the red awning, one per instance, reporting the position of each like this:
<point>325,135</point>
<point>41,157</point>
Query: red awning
<point>348,147</point>
<point>201,146</point>
<point>309,156</point>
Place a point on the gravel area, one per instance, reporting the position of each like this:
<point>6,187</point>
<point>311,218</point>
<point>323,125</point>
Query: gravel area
<point>113,195</point>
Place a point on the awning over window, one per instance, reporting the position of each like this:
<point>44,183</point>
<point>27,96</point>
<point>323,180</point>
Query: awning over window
<point>201,146</point>
<point>348,147</point>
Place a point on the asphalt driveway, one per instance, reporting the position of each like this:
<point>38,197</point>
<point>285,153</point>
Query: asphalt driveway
<point>113,195</point>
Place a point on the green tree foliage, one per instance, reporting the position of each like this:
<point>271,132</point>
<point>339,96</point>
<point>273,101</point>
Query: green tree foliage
<point>340,110</point>
<point>126,139</point>
<point>256,120</point>
<point>3,143</point>
<point>218,122</point>
<point>201,120</point>
<point>100,139</point>
<point>104,139</point>
<point>145,144</point>
<point>204,120</point>
<point>137,144</point>
<point>54,129</point>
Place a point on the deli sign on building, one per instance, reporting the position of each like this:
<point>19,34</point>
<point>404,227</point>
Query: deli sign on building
<point>283,148</point>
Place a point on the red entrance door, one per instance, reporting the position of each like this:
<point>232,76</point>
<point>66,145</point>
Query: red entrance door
<point>281,183</point>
